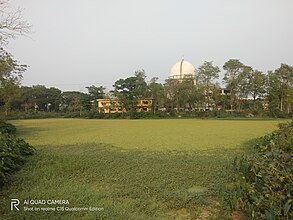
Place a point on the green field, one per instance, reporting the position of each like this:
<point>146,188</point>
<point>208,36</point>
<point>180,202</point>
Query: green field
<point>132,169</point>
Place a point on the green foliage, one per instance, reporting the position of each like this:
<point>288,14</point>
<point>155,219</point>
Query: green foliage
<point>183,94</point>
<point>157,92</point>
<point>9,68</point>
<point>73,101</point>
<point>207,73</point>
<point>232,79</point>
<point>7,128</point>
<point>263,185</point>
<point>244,82</point>
<point>10,76</point>
<point>280,91</point>
<point>130,89</point>
<point>13,153</point>
<point>96,92</point>
<point>256,84</point>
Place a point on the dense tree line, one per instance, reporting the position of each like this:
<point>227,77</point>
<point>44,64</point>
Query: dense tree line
<point>247,91</point>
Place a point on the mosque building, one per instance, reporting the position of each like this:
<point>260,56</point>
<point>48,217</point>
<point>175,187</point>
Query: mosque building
<point>182,69</point>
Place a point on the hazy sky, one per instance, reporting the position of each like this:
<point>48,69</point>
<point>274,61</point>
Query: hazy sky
<point>82,42</point>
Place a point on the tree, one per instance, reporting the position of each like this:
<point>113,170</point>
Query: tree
<point>233,68</point>
<point>70,101</point>
<point>256,85</point>
<point>10,76</point>
<point>141,88</point>
<point>95,93</point>
<point>285,77</point>
<point>207,73</point>
<point>42,98</point>
<point>171,87</point>
<point>280,90</point>
<point>26,101</point>
<point>273,93</point>
<point>9,68</point>
<point>130,89</point>
<point>182,94</point>
<point>156,91</point>
<point>220,101</point>
<point>74,101</point>
<point>185,93</point>
<point>124,90</point>
<point>12,23</point>
<point>9,91</point>
<point>243,82</point>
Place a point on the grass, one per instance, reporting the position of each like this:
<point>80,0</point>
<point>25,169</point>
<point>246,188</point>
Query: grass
<point>133,169</point>
<point>183,134</point>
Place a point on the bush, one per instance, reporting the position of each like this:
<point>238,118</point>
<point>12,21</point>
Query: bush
<point>13,152</point>
<point>263,186</point>
<point>7,128</point>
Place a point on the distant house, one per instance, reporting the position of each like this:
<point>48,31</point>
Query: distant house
<point>109,106</point>
<point>144,105</point>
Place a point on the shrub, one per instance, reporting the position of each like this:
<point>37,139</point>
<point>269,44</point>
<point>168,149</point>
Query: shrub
<point>13,152</point>
<point>263,186</point>
<point>7,128</point>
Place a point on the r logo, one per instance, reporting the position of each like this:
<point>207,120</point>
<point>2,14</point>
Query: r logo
<point>13,204</point>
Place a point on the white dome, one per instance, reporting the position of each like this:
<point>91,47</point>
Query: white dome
<point>182,69</point>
